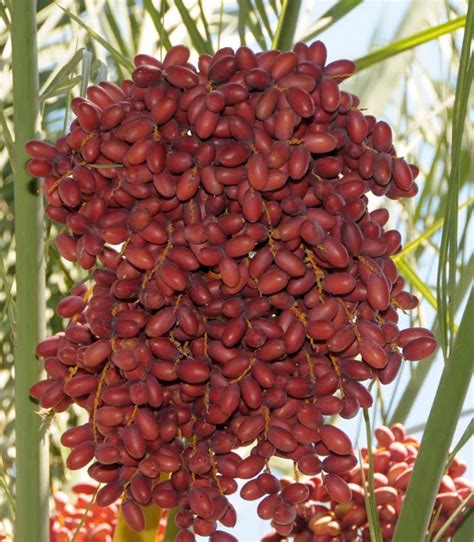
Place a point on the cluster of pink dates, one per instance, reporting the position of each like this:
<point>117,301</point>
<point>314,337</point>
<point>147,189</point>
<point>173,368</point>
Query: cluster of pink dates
<point>77,519</point>
<point>393,464</point>
<point>91,522</point>
<point>240,289</point>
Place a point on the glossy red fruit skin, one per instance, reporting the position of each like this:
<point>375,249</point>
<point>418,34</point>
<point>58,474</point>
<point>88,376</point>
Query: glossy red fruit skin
<point>329,95</point>
<point>133,515</point>
<point>335,439</point>
<point>80,456</point>
<point>319,142</point>
<point>419,348</point>
<point>357,126</point>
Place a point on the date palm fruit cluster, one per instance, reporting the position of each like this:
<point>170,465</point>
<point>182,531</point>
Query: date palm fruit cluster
<point>393,458</point>
<point>92,522</point>
<point>78,519</point>
<point>240,288</point>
